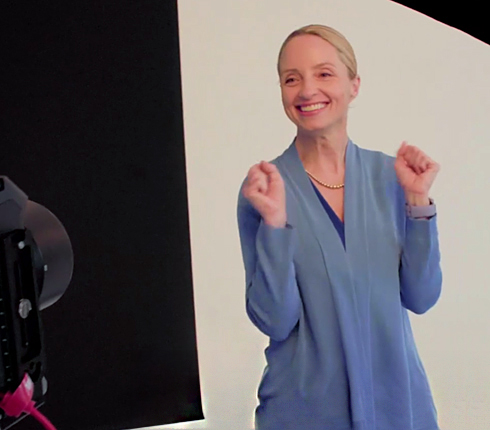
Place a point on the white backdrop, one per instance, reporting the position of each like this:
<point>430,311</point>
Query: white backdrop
<point>421,81</point>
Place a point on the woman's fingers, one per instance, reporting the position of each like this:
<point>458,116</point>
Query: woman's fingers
<point>256,180</point>
<point>416,159</point>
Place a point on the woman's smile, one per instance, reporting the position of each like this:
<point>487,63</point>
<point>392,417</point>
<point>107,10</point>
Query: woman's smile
<point>312,109</point>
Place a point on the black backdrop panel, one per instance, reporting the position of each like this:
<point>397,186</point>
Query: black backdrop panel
<point>470,17</point>
<point>92,129</point>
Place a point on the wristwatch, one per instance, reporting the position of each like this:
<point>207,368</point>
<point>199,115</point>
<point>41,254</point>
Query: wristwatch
<point>420,212</point>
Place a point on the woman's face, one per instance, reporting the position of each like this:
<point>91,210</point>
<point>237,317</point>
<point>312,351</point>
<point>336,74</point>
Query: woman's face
<point>315,85</point>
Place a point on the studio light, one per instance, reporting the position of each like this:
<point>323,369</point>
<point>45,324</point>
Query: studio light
<point>36,266</point>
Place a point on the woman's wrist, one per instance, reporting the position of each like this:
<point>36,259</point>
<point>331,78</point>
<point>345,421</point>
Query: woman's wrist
<point>417,199</point>
<point>276,222</point>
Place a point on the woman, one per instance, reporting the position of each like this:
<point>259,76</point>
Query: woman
<point>339,243</point>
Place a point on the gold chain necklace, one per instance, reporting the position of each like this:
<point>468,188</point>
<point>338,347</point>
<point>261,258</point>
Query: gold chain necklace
<point>332,187</point>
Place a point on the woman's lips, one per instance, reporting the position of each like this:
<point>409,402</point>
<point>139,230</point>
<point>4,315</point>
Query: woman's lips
<point>311,109</point>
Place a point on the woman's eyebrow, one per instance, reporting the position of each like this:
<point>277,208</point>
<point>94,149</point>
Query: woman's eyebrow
<point>318,66</point>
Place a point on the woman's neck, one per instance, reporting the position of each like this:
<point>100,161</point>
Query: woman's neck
<point>323,153</point>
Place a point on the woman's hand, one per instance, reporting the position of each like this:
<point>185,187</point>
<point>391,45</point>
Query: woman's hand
<point>416,173</point>
<point>264,189</point>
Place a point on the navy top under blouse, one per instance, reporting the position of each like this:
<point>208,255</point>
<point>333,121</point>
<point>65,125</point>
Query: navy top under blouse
<point>338,224</point>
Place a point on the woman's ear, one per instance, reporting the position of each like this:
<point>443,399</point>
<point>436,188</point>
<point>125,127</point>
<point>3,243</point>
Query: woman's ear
<point>356,83</point>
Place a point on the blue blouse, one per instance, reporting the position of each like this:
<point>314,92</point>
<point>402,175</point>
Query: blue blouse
<point>342,355</point>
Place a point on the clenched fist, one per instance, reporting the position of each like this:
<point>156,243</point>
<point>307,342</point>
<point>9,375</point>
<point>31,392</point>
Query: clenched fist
<point>416,173</point>
<point>264,189</point>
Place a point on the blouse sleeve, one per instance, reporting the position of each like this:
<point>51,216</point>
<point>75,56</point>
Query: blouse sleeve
<point>420,270</point>
<point>273,302</point>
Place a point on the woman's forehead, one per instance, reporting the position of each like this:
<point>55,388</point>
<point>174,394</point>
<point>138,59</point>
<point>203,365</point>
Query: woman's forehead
<point>308,51</point>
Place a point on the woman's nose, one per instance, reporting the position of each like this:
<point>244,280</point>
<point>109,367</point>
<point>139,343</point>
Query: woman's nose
<point>308,89</point>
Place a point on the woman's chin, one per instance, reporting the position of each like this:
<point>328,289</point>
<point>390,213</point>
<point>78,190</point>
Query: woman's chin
<point>320,128</point>
<point>313,130</point>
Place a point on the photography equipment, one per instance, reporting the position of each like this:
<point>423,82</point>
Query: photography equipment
<point>36,267</point>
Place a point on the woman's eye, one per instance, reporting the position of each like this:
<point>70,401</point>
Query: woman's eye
<point>325,74</point>
<point>289,80</point>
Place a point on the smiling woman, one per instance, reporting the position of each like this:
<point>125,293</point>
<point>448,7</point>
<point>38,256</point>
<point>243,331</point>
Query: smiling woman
<point>318,74</point>
<point>338,243</point>
<point>316,85</point>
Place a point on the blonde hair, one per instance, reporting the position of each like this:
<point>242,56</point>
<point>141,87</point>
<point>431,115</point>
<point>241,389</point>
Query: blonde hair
<point>332,36</point>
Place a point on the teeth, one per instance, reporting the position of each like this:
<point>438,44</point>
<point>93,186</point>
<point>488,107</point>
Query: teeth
<point>312,107</point>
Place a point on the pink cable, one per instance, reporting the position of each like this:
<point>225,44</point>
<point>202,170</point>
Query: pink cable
<point>20,401</point>
<point>40,417</point>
